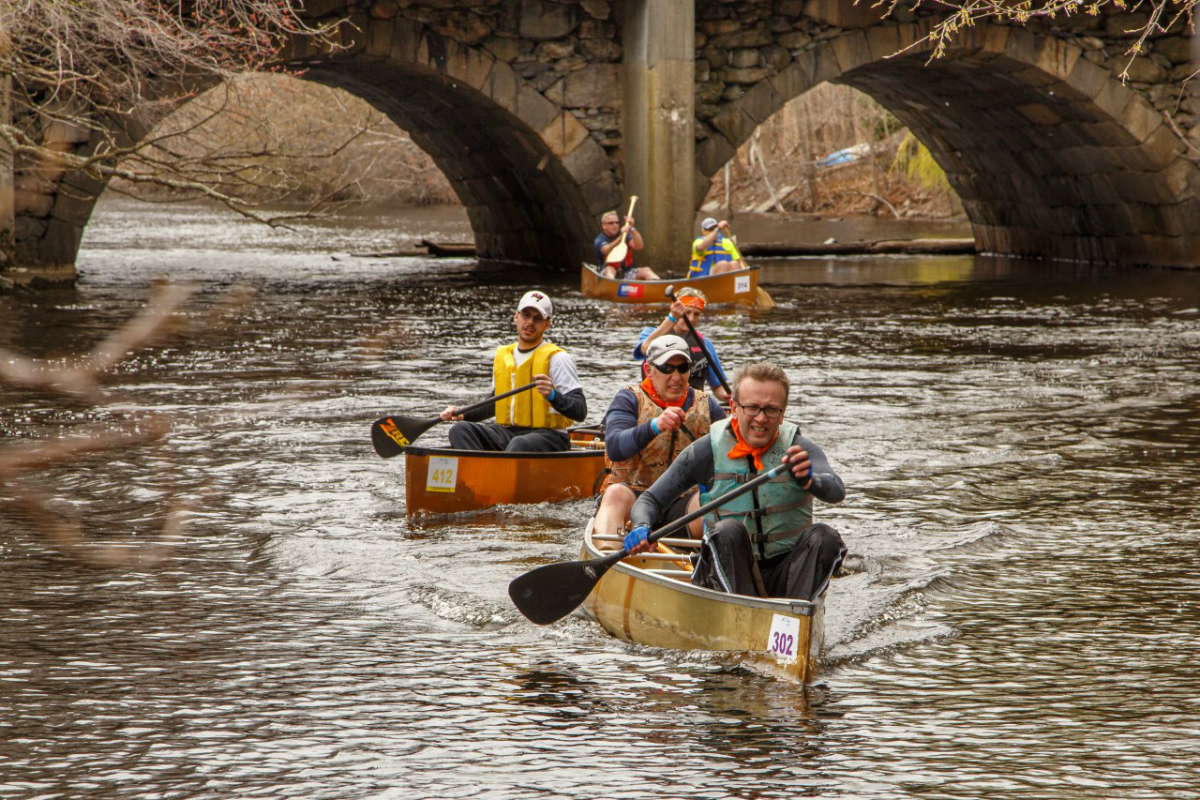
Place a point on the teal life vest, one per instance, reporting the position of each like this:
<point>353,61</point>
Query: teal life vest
<point>776,512</point>
<point>703,262</point>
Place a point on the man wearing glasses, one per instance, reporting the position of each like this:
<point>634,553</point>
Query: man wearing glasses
<point>645,428</point>
<point>763,543</point>
<point>606,240</point>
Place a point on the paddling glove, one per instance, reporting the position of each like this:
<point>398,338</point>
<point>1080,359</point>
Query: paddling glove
<point>636,536</point>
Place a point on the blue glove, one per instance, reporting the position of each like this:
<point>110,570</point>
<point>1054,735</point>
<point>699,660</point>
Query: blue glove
<point>636,536</point>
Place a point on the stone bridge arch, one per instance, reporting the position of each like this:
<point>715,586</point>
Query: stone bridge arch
<point>1051,155</point>
<point>530,173</point>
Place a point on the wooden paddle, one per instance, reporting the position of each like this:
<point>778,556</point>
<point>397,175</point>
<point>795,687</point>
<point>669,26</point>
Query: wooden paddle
<point>762,300</point>
<point>696,337</point>
<point>617,254</point>
<point>390,435</point>
<point>549,593</point>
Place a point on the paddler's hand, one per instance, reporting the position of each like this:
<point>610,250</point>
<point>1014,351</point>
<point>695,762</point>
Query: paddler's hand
<point>545,386</point>
<point>450,414</point>
<point>670,419</point>
<point>677,309</point>
<point>636,541</point>
<point>800,466</point>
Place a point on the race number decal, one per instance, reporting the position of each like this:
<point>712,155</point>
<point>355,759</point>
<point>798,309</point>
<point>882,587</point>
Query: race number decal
<point>741,284</point>
<point>443,474</point>
<point>784,640</point>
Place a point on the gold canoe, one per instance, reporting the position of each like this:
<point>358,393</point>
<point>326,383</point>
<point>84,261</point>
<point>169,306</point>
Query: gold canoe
<point>725,287</point>
<point>445,481</point>
<point>649,599</point>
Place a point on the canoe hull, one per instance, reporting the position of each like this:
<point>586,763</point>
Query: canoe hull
<point>447,481</point>
<point>659,611</point>
<point>726,287</point>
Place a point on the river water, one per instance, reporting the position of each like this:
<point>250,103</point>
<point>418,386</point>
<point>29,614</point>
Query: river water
<point>1019,618</point>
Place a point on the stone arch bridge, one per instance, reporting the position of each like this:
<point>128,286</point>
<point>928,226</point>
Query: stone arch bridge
<point>545,113</point>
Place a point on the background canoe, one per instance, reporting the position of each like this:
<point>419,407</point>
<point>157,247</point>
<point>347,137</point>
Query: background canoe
<point>640,601</point>
<point>445,481</point>
<point>726,287</point>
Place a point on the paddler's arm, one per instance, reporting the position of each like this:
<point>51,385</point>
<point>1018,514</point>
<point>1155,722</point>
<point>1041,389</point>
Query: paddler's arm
<point>623,436</point>
<point>692,467</point>
<point>823,483</point>
<point>565,393</point>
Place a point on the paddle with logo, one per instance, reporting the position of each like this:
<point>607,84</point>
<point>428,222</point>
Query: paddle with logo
<point>616,256</point>
<point>549,593</point>
<point>696,338</point>
<point>390,435</point>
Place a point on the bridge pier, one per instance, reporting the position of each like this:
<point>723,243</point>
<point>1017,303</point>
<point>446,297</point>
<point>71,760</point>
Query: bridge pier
<point>659,126</point>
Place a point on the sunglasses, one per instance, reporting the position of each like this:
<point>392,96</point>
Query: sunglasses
<point>667,369</point>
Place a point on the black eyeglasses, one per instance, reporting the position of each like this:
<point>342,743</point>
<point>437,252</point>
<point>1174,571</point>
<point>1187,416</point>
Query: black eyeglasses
<point>771,412</point>
<point>667,369</point>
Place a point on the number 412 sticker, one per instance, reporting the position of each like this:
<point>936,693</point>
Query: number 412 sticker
<point>443,474</point>
<point>784,638</point>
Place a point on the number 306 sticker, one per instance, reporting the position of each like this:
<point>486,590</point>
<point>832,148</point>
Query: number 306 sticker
<point>443,474</point>
<point>784,638</point>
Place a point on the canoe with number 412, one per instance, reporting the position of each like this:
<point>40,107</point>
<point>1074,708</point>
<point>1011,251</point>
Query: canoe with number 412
<point>442,480</point>
<point>649,599</point>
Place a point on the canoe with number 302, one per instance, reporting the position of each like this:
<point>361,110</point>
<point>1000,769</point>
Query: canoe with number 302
<point>649,599</point>
<point>442,480</point>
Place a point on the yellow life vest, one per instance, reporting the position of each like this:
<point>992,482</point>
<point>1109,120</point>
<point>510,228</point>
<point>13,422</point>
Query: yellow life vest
<point>527,409</point>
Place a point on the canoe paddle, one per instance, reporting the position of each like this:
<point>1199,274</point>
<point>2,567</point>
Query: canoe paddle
<point>549,593</point>
<point>696,338</point>
<point>390,435</point>
<point>617,254</point>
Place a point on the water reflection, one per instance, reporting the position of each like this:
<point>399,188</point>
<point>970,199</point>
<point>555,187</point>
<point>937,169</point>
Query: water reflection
<point>1020,621</point>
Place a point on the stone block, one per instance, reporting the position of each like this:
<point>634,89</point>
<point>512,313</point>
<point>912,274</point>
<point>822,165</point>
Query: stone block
<point>73,208</point>
<point>564,134</point>
<point>597,9</point>
<point>883,42</point>
<point>1087,78</point>
<point>533,109</point>
<point>501,86</point>
<point>1039,114</point>
<point>1183,180</point>
<point>503,48</point>
<point>791,82</point>
<point>743,77</point>
<point>1144,187</point>
<point>755,37</point>
<point>406,41</point>
<point>1163,147</point>
<point>602,193</point>
<point>713,153</point>
<point>735,124</point>
<point>541,20</point>
<point>594,86</point>
<point>587,161</point>
<point>1113,98</point>
<point>1140,119</point>
<point>60,244</point>
<point>843,14</point>
<point>29,203</point>
<point>851,51</point>
<point>761,102</point>
<point>1057,57</point>
<point>379,38</point>
<point>745,57</point>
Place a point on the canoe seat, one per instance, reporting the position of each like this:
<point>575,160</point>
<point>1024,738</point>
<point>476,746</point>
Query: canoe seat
<point>681,575</point>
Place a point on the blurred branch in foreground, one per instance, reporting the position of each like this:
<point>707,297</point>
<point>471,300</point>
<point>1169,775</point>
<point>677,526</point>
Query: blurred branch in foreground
<point>21,465</point>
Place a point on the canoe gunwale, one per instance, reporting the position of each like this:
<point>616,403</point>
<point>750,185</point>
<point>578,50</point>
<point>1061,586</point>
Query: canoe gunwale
<point>583,452</point>
<point>595,285</point>
<point>783,605</point>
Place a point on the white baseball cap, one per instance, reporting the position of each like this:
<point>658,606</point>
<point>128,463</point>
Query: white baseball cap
<point>708,224</point>
<point>538,300</point>
<point>664,348</point>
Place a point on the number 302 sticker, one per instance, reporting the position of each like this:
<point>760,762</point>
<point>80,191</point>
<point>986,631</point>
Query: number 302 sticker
<point>784,638</point>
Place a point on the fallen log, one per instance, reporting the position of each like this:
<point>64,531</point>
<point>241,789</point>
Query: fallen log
<point>883,247</point>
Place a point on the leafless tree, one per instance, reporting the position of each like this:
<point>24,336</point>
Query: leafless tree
<point>90,79</point>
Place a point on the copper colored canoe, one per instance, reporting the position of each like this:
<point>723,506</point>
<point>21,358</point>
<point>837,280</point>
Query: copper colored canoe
<point>649,599</point>
<point>725,287</point>
<point>446,481</point>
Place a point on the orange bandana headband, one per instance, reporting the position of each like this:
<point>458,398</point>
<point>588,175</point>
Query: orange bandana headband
<point>693,301</point>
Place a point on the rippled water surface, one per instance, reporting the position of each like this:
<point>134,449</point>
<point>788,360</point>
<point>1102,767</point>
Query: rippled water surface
<point>1020,616</point>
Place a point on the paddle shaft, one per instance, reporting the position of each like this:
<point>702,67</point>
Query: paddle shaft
<point>549,593</point>
<point>696,338</point>
<point>494,398</point>
<point>617,254</point>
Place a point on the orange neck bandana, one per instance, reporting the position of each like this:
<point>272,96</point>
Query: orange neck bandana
<point>743,449</point>
<point>648,388</point>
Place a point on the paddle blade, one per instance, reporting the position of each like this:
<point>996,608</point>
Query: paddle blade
<point>549,593</point>
<point>390,435</point>
<point>762,300</point>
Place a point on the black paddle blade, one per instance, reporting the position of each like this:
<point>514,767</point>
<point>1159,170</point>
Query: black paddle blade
<point>549,593</point>
<point>390,435</point>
